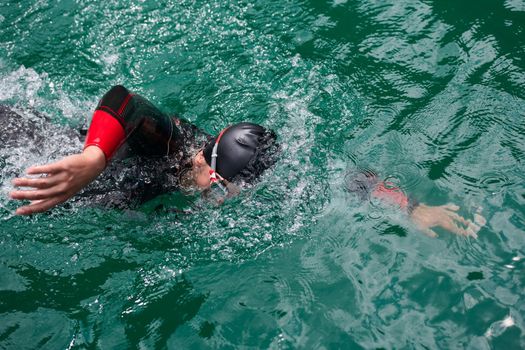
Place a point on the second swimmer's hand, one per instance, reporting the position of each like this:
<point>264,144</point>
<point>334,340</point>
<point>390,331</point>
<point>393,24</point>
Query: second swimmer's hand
<point>59,181</point>
<point>445,216</point>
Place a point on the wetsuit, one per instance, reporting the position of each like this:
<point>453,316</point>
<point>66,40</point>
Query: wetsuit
<point>149,154</point>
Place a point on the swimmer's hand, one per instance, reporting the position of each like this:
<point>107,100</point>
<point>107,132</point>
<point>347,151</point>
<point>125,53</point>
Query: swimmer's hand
<point>59,181</point>
<point>445,216</point>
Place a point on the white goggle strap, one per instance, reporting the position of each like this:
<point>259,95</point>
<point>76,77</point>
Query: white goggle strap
<point>214,156</point>
<point>213,177</point>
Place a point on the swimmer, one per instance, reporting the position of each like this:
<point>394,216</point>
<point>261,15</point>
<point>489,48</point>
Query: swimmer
<point>133,152</point>
<point>168,152</point>
<point>366,185</point>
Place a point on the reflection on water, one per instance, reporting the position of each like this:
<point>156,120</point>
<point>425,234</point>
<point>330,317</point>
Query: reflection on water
<point>428,95</point>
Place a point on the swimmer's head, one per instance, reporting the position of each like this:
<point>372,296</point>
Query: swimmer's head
<point>243,152</point>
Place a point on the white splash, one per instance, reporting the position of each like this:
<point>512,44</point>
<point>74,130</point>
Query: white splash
<point>499,327</point>
<point>22,84</point>
<point>110,59</point>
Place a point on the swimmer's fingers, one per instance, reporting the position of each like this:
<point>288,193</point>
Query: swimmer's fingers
<point>477,224</point>
<point>40,194</point>
<point>40,206</point>
<point>41,183</point>
<point>480,219</point>
<point>430,232</point>
<point>451,226</point>
<point>458,218</point>
<point>47,169</point>
<point>451,207</point>
<point>471,227</point>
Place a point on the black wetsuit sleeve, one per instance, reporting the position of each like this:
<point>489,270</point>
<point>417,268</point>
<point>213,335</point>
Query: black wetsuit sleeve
<point>150,135</point>
<point>148,130</point>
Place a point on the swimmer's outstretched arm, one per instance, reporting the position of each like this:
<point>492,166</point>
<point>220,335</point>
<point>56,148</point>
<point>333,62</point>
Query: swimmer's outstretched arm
<point>424,216</point>
<point>59,181</point>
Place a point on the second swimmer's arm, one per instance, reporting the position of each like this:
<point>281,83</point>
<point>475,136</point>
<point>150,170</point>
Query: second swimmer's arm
<point>58,181</point>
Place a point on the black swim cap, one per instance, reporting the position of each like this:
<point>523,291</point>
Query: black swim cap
<point>243,151</point>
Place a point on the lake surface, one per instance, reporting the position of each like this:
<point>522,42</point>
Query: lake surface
<point>428,94</point>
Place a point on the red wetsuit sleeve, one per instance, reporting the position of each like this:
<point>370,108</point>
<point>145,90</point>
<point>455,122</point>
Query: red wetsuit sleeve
<point>106,133</point>
<point>390,194</point>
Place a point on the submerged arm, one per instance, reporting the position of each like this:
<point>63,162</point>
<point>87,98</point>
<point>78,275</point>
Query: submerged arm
<point>425,217</point>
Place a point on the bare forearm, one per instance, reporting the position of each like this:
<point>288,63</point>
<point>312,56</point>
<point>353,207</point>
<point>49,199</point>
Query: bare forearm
<point>95,158</point>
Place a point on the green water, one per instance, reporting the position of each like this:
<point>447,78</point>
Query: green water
<point>430,94</point>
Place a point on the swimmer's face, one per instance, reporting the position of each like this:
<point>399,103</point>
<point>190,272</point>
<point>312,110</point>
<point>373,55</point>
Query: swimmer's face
<point>201,171</point>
